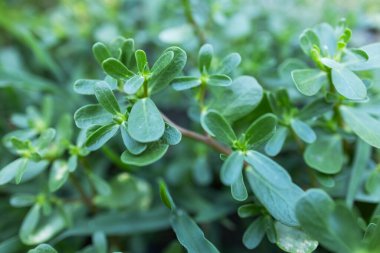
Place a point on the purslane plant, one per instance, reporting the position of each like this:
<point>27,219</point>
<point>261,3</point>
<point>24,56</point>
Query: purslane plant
<point>336,133</point>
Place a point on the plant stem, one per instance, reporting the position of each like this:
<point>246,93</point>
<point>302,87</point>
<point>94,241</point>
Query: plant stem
<point>145,84</point>
<point>190,18</point>
<point>114,158</point>
<point>86,200</point>
<point>199,137</point>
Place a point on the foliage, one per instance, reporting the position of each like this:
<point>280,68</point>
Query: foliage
<point>95,148</point>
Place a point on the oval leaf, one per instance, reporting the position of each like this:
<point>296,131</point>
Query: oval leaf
<point>145,123</point>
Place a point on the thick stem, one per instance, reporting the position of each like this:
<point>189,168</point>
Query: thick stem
<point>199,137</point>
<point>190,18</point>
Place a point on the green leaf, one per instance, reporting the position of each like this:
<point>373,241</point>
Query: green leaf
<point>293,240</point>
<point>190,235</point>
<point>333,225</point>
<point>325,154</point>
<point>232,168</point>
<point>165,195</point>
<point>153,153</point>
<point>127,192</point>
<point>185,82</point>
<point>309,81</point>
<point>307,40</point>
<point>121,223</point>
<point>8,173</point>
<point>219,80</point>
<point>162,76</point>
<point>132,145</point>
<point>172,135</point>
<point>229,63</point>
<point>101,135</point>
<point>133,84</point>
<point>100,52</point>
<point>59,174</point>
<point>116,69</point>
<point>348,84</point>
<point>249,210</point>
<point>216,125</point>
<point>303,131</point>
<point>43,248</point>
<point>145,123</point>
<point>238,189</point>
<point>99,240</point>
<point>274,145</point>
<point>45,138</point>
<point>106,98</point>
<point>273,187</point>
<point>314,109</point>
<point>30,221</point>
<point>254,233</point>
<point>204,57</point>
<point>101,185</point>
<point>238,99</point>
<point>21,170</point>
<point>22,200</point>
<point>141,60</point>
<point>86,86</point>
<point>90,115</point>
<point>261,129</point>
<point>363,125</point>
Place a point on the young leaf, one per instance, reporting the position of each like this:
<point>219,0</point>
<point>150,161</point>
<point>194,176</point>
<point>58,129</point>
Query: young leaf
<point>132,145</point>
<point>100,52</point>
<point>141,60</point>
<point>172,135</point>
<point>165,195</point>
<point>161,77</point>
<point>133,84</point>
<point>106,98</point>
<point>219,80</point>
<point>185,82</point>
<point>273,187</point>
<point>261,129</point>
<point>309,81</point>
<point>216,125</point>
<point>238,189</point>
<point>101,135</point>
<point>232,168</point>
<point>190,235</point>
<point>90,115</point>
<point>43,248</point>
<point>152,154</point>
<point>303,131</point>
<point>274,145</point>
<point>365,126</point>
<point>116,69</point>
<point>45,138</point>
<point>254,233</point>
<point>204,57</point>
<point>229,63</point>
<point>293,240</point>
<point>348,84</point>
<point>325,154</point>
<point>145,123</point>
<point>307,41</point>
